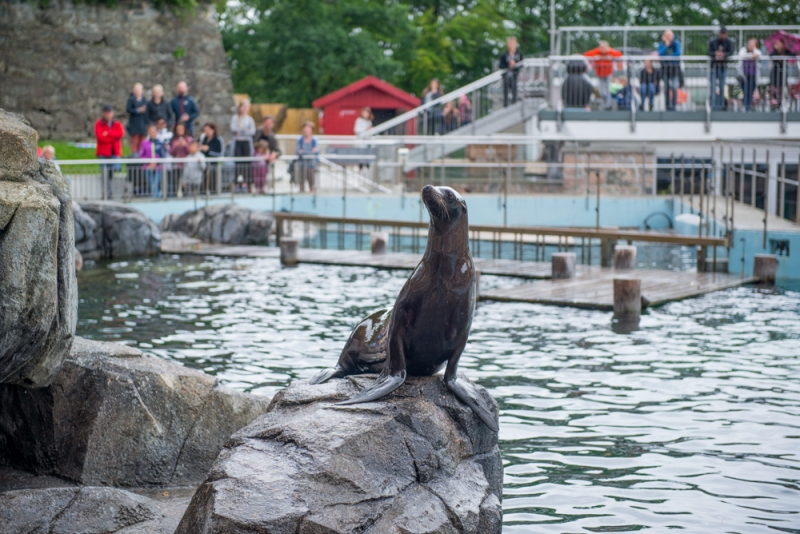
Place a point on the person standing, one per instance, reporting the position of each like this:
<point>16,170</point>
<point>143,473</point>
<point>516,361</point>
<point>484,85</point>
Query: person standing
<point>243,128</point>
<point>720,48</point>
<point>576,92</point>
<point>267,134</point>
<point>184,107</point>
<point>670,47</point>
<point>136,109</point>
<point>748,71</point>
<point>510,60</point>
<point>649,84</point>
<point>364,121</point>
<point>604,69</point>
<point>192,177</point>
<point>212,145</point>
<point>178,148</point>
<point>431,93</point>
<point>308,153</point>
<point>158,108</point>
<point>109,133</point>
<point>152,149</point>
<point>777,82</point>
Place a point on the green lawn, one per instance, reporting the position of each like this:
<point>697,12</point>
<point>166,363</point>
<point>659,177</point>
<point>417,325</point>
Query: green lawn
<point>66,151</point>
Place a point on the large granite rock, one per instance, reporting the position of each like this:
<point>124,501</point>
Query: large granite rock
<point>417,462</point>
<point>120,231</point>
<point>38,291</point>
<point>115,416</point>
<point>222,223</point>
<point>85,229</point>
<point>85,510</point>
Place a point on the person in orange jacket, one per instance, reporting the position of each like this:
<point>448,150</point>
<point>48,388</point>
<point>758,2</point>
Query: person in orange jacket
<point>604,69</point>
<point>109,133</point>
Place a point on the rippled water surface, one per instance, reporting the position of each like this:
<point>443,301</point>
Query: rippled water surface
<point>691,422</point>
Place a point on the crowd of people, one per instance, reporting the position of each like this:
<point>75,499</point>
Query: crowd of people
<point>158,128</point>
<point>614,77</point>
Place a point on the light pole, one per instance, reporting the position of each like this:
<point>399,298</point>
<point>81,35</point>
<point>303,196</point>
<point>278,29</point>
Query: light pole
<point>552,27</point>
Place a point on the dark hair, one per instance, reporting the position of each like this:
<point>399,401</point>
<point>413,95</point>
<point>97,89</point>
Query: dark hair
<point>175,128</point>
<point>212,126</point>
<point>723,29</point>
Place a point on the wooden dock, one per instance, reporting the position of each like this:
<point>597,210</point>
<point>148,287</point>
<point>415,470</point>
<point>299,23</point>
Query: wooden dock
<point>592,287</point>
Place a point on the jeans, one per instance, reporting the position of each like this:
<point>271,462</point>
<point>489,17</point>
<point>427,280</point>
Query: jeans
<point>671,89</point>
<point>748,88</point>
<point>509,87</point>
<point>107,173</point>
<point>648,91</point>
<point>604,88</point>
<point>718,77</point>
<point>154,180</point>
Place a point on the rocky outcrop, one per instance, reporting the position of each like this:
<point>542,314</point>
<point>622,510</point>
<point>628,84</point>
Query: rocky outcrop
<point>417,462</point>
<point>38,303</point>
<point>222,223</point>
<point>87,54</point>
<point>115,416</point>
<point>120,231</point>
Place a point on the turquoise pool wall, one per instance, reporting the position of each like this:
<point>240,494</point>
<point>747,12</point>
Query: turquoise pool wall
<point>538,210</point>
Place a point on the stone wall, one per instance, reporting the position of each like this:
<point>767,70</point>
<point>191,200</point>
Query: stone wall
<point>61,63</point>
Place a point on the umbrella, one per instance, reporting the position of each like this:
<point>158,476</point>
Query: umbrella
<point>792,42</point>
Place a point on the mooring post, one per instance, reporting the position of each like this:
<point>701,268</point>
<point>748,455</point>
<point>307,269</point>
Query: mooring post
<point>627,298</point>
<point>379,242</point>
<point>624,257</point>
<point>289,248</point>
<point>765,268</point>
<point>606,248</point>
<point>701,259</point>
<point>562,265</point>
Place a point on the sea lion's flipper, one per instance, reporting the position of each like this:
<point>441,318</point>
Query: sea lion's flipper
<point>469,395</point>
<point>384,385</point>
<point>327,374</point>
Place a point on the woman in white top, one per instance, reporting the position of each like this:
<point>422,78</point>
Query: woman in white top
<point>243,128</point>
<point>364,121</point>
<point>748,71</point>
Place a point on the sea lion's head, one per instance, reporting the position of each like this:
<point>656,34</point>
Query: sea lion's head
<point>446,207</point>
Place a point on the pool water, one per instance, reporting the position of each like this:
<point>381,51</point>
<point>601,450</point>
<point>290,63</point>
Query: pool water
<point>691,422</point>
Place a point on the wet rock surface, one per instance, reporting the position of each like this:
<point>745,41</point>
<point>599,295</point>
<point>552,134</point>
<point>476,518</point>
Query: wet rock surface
<point>418,461</point>
<point>115,416</point>
<point>230,224</point>
<point>120,231</point>
<point>38,307</point>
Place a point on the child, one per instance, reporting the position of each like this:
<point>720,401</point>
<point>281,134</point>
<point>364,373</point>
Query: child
<point>193,169</point>
<point>625,94</point>
<point>49,154</point>
<point>152,148</point>
<point>260,166</point>
<point>164,135</point>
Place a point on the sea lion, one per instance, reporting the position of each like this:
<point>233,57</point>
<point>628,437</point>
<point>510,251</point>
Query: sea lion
<point>365,350</point>
<point>432,316</point>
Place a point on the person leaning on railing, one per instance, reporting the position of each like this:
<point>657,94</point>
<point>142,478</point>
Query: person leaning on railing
<point>776,75</point>
<point>670,68</point>
<point>720,48</point>
<point>603,65</point>
<point>748,71</point>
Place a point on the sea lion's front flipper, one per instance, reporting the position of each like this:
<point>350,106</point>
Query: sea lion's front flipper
<point>327,374</point>
<point>469,395</point>
<point>384,385</point>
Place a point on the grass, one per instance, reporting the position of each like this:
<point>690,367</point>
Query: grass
<point>66,151</point>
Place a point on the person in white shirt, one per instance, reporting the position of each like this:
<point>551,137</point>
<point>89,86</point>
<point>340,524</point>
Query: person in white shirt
<point>748,71</point>
<point>364,121</point>
<point>193,169</point>
<point>243,128</point>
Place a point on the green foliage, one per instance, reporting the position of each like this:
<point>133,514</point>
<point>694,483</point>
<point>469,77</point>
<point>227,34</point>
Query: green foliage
<point>293,51</point>
<point>179,53</point>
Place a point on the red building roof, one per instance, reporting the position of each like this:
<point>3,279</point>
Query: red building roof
<point>370,82</point>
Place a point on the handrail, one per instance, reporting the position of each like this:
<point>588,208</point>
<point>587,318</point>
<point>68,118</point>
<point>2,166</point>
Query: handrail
<point>452,95</point>
<point>679,28</point>
<point>621,235</point>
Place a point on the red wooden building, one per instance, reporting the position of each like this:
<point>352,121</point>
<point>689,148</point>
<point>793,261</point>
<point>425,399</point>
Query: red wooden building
<point>341,108</point>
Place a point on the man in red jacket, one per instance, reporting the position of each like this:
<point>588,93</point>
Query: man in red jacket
<point>603,67</point>
<point>109,133</point>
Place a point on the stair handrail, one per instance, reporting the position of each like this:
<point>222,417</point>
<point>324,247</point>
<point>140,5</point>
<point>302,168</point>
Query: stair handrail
<point>452,95</point>
<point>354,179</point>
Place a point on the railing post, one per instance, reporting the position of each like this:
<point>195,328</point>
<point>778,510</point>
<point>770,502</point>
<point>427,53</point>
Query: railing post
<point>797,194</point>
<point>164,182</point>
<point>782,185</point>
<point>344,192</point>
<point>753,182</point>
<point>218,173</point>
<point>766,202</point>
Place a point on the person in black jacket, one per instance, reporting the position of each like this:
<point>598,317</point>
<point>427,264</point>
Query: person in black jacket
<point>184,107</point>
<point>212,146</point>
<point>577,89</point>
<point>649,84</point>
<point>720,48</point>
<point>136,109</point>
<point>159,108</point>
<point>510,60</point>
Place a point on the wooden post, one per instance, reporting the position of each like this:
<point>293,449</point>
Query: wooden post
<point>289,248</point>
<point>379,242</point>
<point>624,257</point>
<point>627,298</point>
<point>701,259</point>
<point>765,267</point>
<point>563,265</point>
<point>606,246</point>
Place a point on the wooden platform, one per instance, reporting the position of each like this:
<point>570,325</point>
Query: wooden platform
<point>592,287</point>
<point>596,290</point>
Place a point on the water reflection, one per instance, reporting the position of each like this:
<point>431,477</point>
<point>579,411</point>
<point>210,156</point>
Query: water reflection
<point>690,422</point>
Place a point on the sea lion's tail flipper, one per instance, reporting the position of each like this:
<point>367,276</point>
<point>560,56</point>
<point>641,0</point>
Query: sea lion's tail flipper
<point>327,374</point>
<point>385,384</point>
<point>469,395</point>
